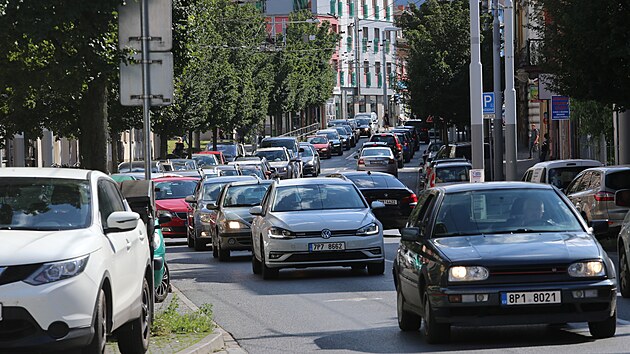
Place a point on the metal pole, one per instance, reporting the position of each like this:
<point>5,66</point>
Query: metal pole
<point>146,88</point>
<point>384,76</point>
<point>476,89</point>
<point>510,95</point>
<point>497,131</point>
<point>356,56</point>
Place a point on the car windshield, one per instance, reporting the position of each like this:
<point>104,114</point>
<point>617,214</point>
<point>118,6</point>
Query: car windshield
<point>376,181</point>
<point>229,172</point>
<point>174,189</point>
<point>317,197</point>
<point>307,151</point>
<point>434,147</point>
<point>252,170</point>
<point>44,204</point>
<point>451,174</point>
<point>205,160</point>
<point>376,152</point>
<point>504,211</point>
<point>227,149</point>
<point>182,165</point>
<point>330,135</point>
<point>562,176</point>
<point>363,121</point>
<point>211,191</point>
<point>318,140</point>
<point>389,139</point>
<point>247,195</point>
<point>289,144</point>
<point>273,155</point>
<point>137,166</point>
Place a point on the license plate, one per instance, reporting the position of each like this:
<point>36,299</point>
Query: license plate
<point>388,201</point>
<point>326,246</point>
<point>531,298</point>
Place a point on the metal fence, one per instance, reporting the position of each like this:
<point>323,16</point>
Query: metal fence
<point>303,132</point>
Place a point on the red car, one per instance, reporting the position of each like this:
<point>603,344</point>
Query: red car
<point>322,144</point>
<point>218,154</point>
<point>170,193</point>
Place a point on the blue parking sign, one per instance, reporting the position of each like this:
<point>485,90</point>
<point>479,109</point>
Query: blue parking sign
<point>488,103</point>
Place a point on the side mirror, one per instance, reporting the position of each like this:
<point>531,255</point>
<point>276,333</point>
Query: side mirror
<point>599,226</point>
<point>120,221</point>
<point>622,198</point>
<point>377,205</point>
<point>356,156</point>
<point>190,199</point>
<point>257,210</point>
<point>301,150</point>
<point>212,206</point>
<point>163,219</point>
<point>410,234</point>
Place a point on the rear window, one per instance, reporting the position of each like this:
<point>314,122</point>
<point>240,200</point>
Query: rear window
<point>387,139</point>
<point>618,180</point>
<point>451,174</point>
<point>366,181</point>
<point>562,176</point>
<point>289,144</point>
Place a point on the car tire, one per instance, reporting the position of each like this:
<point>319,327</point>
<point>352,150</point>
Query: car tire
<point>162,290</point>
<point>267,273</point>
<point>97,345</point>
<point>256,265</point>
<point>400,163</point>
<point>408,159</point>
<point>624,273</point>
<point>224,255</point>
<point>340,152</point>
<point>605,328</point>
<point>434,332</point>
<point>407,321</point>
<point>200,245</point>
<point>215,248</point>
<point>376,268</point>
<point>191,241</point>
<point>133,336</point>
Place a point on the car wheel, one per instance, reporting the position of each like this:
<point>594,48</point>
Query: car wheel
<point>605,328</point>
<point>97,345</point>
<point>267,273</point>
<point>133,336</point>
<point>408,159</point>
<point>191,242</point>
<point>224,255</point>
<point>407,321</point>
<point>434,332</point>
<point>256,265</point>
<point>200,245</point>
<point>400,163</point>
<point>624,273</point>
<point>215,247</point>
<point>340,152</point>
<point>376,268</point>
<point>162,290</point>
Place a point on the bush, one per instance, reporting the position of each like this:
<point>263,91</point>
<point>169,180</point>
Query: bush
<point>172,322</point>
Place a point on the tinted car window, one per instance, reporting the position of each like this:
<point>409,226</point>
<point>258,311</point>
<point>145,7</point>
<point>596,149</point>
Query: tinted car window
<point>562,176</point>
<point>247,195</point>
<point>174,189</point>
<point>367,181</point>
<point>317,197</point>
<point>618,180</point>
<point>273,155</point>
<point>389,139</point>
<point>307,151</point>
<point>451,174</point>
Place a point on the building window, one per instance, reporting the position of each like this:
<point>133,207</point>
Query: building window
<point>351,8</point>
<point>349,44</point>
<point>365,10</point>
<point>376,9</point>
<point>366,72</point>
<point>376,40</point>
<point>340,8</point>
<point>301,5</point>
<point>388,11</point>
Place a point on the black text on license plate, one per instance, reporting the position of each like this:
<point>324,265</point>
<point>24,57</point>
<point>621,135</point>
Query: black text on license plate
<point>326,246</point>
<point>531,298</point>
<point>388,201</point>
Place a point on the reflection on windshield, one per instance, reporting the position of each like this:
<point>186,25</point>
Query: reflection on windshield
<point>317,197</point>
<point>174,189</point>
<point>44,204</point>
<point>504,211</point>
<point>273,155</point>
<point>241,196</point>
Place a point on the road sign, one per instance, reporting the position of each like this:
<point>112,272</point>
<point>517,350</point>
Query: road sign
<point>476,175</point>
<point>160,26</point>
<point>429,119</point>
<point>560,108</point>
<point>161,76</point>
<point>488,105</point>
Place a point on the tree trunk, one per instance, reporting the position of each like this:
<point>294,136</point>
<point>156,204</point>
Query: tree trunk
<point>115,143</point>
<point>93,127</point>
<point>163,145</point>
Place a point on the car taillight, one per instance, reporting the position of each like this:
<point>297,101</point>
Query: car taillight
<point>360,162</point>
<point>432,180</point>
<point>391,161</point>
<point>604,197</point>
<point>412,199</point>
<point>398,146</point>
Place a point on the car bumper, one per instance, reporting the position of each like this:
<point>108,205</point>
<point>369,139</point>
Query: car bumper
<point>30,313</point>
<point>492,312</point>
<point>391,169</point>
<point>175,228</point>
<point>308,169</point>
<point>237,241</point>
<point>294,253</point>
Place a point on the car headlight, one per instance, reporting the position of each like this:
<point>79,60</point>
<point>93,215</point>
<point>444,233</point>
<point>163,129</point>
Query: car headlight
<point>324,149</point>
<point>157,240</point>
<point>54,271</point>
<point>587,269</point>
<point>278,232</point>
<point>310,162</point>
<point>369,229</point>
<point>234,225</point>
<point>469,273</point>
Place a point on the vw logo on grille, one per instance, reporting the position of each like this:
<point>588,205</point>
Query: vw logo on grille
<point>326,233</point>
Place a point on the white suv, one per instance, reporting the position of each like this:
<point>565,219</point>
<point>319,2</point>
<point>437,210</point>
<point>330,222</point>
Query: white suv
<point>75,263</point>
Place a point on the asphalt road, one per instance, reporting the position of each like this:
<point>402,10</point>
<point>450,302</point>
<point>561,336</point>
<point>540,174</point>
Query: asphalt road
<point>338,311</point>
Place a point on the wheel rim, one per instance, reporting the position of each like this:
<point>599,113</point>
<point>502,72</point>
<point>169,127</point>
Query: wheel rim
<point>623,271</point>
<point>145,318</point>
<point>162,289</point>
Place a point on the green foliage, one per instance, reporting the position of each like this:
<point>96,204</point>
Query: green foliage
<point>171,321</point>
<point>593,118</point>
<point>586,47</point>
<point>438,35</point>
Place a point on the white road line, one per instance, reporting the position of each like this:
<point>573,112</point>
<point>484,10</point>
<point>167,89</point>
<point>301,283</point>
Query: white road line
<point>623,322</point>
<point>351,156</point>
<point>355,299</point>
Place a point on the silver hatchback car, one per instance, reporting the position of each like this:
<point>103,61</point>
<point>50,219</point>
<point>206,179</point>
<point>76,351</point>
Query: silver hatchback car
<point>316,222</point>
<point>379,159</point>
<point>593,194</point>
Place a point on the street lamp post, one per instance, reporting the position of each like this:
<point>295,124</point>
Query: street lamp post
<point>384,67</point>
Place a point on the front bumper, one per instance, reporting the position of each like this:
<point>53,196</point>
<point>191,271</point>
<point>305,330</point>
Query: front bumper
<point>175,228</point>
<point>308,169</point>
<point>237,241</point>
<point>491,312</point>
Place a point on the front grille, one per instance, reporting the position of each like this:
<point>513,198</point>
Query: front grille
<point>16,324</point>
<point>182,216</point>
<point>326,256</point>
<point>529,274</point>
<point>17,273</point>
<point>334,233</point>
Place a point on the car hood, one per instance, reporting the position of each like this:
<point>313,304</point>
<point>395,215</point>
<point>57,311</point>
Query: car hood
<point>518,248</point>
<point>238,214</point>
<point>320,146</point>
<point>316,220</point>
<point>306,159</point>
<point>172,204</point>
<point>28,247</point>
<point>279,163</point>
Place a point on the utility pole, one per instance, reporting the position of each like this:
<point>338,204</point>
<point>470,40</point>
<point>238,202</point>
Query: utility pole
<point>356,56</point>
<point>146,88</point>
<point>384,76</point>
<point>510,94</point>
<point>497,131</point>
<point>476,89</point>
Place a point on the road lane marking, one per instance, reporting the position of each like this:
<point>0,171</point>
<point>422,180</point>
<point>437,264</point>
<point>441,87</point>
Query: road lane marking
<point>355,299</point>
<point>623,322</point>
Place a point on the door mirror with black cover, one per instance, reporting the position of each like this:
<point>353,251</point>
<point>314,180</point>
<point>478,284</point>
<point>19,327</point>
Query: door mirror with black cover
<point>599,227</point>
<point>212,206</point>
<point>622,198</point>
<point>411,234</point>
<point>190,199</point>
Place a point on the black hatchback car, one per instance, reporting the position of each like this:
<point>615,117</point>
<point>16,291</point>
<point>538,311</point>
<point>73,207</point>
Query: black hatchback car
<point>501,253</point>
